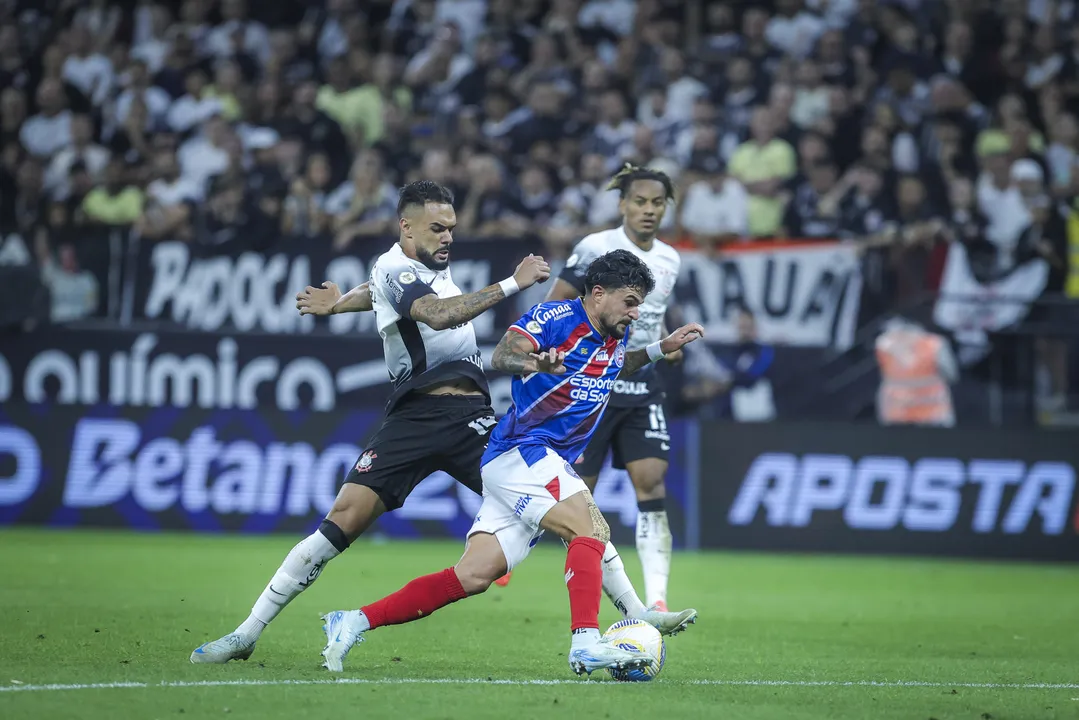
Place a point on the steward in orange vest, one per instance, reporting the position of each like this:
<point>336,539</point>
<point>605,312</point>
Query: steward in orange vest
<point>916,367</point>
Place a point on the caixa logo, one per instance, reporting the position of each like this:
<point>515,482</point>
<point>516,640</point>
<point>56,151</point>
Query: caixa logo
<point>926,495</point>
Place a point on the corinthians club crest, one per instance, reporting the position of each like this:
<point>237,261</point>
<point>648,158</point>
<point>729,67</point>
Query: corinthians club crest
<point>364,463</point>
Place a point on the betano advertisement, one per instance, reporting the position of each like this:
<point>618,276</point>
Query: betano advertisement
<point>231,470</point>
<point>859,488</point>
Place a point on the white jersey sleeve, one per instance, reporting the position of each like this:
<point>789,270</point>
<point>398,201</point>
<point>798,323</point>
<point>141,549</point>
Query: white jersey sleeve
<point>395,285</point>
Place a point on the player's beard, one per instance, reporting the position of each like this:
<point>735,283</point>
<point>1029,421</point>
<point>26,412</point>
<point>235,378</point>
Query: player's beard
<point>617,329</point>
<point>429,259</point>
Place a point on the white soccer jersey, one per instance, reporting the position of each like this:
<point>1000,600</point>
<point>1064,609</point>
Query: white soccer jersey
<point>417,355</point>
<point>664,262</point>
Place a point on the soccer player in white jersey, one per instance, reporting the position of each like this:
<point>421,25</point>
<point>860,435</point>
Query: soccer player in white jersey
<point>438,416</point>
<point>634,428</point>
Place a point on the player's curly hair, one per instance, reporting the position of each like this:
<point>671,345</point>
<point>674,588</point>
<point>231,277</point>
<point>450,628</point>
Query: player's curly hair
<point>630,173</point>
<point>422,192</point>
<point>619,269</point>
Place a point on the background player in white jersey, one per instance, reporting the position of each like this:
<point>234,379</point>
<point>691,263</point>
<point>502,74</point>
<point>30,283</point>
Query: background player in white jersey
<point>565,358</point>
<point>634,427</point>
<point>438,416</point>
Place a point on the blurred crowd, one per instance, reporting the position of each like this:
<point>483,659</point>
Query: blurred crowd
<point>903,124</point>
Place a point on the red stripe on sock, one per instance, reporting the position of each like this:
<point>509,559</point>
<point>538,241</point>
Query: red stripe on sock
<point>584,580</point>
<point>418,599</point>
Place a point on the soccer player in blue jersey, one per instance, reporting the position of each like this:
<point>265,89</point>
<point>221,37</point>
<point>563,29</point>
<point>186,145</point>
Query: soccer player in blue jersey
<point>565,357</point>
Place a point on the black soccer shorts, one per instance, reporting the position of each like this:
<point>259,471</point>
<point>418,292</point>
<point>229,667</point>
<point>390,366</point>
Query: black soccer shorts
<point>421,435</point>
<point>631,433</point>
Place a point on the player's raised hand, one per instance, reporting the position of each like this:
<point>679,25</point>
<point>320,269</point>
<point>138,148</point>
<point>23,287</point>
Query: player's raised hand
<point>533,269</point>
<point>549,361</point>
<point>681,337</point>
<point>318,301</point>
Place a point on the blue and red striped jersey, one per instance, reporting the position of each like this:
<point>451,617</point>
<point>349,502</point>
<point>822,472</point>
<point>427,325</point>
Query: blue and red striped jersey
<point>559,412</point>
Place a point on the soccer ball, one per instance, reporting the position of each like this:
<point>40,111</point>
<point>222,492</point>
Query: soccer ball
<point>637,635</point>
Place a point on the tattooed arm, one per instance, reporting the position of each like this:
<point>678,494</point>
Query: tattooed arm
<point>515,354</point>
<point>441,313</point>
<point>637,359</point>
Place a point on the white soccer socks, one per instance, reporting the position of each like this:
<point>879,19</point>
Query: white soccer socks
<point>654,547</point>
<point>301,567</point>
<point>616,584</point>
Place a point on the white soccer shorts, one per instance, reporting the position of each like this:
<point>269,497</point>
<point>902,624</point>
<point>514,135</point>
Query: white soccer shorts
<point>516,497</point>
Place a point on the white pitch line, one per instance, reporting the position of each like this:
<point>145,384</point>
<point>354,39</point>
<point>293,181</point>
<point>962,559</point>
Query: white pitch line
<point>466,681</point>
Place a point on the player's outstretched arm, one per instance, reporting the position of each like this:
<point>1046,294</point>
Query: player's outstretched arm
<point>514,354</point>
<point>442,313</point>
<point>637,359</point>
<point>328,300</point>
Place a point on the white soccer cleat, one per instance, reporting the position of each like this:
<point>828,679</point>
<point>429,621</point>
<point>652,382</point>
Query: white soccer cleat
<point>602,654</point>
<point>342,630</point>
<point>668,623</point>
<point>219,652</point>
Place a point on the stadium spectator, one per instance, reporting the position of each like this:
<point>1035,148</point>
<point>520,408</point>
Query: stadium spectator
<point>487,210</point>
<point>89,71</point>
<point>81,150</point>
<point>74,290</point>
<point>29,202</point>
<point>808,215</point>
<point>14,70</point>
<point>315,130</point>
<point>365,204</point>
<point>713,210</point>
<point>137,83</point>
<point>305,210</point>
<point>12,116</point>
<point>114,201</point>
<point>763,164</point>
<point>50,129</point>
<point>237,34</point>
<point>149,43</point>
<point>613,133</point>
<point>170,199</point>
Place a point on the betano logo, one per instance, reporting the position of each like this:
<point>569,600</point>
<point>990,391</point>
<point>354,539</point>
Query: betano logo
<point>882,493</point>
<point>109,461</point>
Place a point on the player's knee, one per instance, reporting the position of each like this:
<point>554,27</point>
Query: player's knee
<point>348,517</point>
<point>354,509</point>
<point>475,581</point>
<point>650,488</point>
<point>648,481</point>
<point>482,564</point>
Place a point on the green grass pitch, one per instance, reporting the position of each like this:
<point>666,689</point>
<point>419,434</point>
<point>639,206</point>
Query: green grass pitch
<point>784,637</point>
